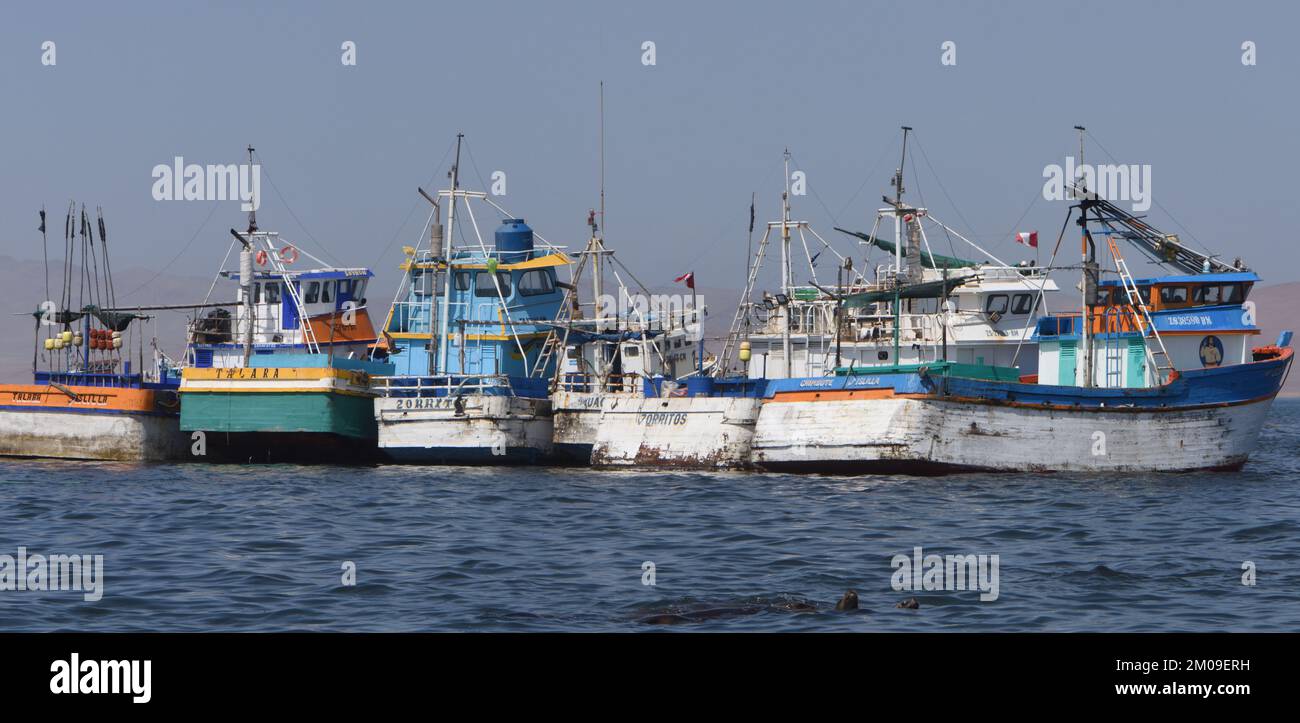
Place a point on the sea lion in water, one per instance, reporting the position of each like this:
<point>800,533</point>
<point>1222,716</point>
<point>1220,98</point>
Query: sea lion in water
<point>848,602</point>
<point>797,606</point>
<point>909,604</point>
<point>704,612</point>
<point>664,619</point>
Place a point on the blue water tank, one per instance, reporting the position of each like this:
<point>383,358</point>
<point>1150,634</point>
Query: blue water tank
<point>514,241</point>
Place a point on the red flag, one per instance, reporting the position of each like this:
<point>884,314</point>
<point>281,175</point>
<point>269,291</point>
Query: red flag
<point>1028,239</point>
<point>689,278</point>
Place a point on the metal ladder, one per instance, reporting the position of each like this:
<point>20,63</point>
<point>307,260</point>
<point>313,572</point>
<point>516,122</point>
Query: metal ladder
<point>1158,357</point>
<point>1114,362</point>
<point>557,340</point>
<point>291,287</point>
<point>743,308</point>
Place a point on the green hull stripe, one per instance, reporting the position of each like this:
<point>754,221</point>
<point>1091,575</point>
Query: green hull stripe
<point>352,416</point>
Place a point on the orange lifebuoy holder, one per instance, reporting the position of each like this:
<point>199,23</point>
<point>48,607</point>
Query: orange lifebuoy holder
<point>261,257</point>
<point>288,254</point>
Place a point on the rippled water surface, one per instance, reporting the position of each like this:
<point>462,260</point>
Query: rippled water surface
<point>260,548</point>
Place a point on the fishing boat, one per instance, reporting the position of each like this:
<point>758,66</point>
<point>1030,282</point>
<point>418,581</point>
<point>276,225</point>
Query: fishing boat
<point>647,393</point>
<point>286,376</point>
<point>920,306</point>
<point>95,395</point>
<point>1151,374</point>
<point>466,336</point>
<point>614,358</point>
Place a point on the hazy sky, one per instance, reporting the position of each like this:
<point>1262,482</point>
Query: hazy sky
<point>688,139</point>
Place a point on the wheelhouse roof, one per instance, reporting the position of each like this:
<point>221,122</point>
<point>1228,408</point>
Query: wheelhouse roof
<point>1225,278</point>
<point>309,274</point>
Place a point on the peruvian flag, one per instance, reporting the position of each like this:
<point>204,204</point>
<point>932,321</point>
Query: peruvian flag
<point>689,278</point>
<point>1028,239</point>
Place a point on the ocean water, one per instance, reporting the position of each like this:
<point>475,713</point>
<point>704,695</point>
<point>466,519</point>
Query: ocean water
<point>262,548</point>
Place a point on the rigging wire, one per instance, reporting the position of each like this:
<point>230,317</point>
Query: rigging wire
<point>289,208</point>
<point>181,253</point>
<point>414,205</point>
<point>1177,223</point>
<point>926,158</point>
<point>865,179</point>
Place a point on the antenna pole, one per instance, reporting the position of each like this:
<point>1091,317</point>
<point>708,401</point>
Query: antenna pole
<point>598,238</point>
<point>602,155</point>
<point>1081,130</point>
<point>252,212</point>
<point>597,248</point>
<point>785,270</point>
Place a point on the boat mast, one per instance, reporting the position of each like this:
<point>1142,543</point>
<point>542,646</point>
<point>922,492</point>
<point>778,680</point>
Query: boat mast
<point>785,270</point>
<point>898,206</point>
<point>1091,273</point>
<point>597,248</point>
<point>898,238</point>
<point>451,240</point>
<point>246,273</point>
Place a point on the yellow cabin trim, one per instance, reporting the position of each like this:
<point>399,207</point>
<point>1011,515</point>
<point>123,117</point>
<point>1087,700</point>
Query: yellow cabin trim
<point>541,262</point>
<point>269,374</point>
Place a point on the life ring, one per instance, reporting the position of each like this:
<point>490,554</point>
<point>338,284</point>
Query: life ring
<point>288,254</point>
<point>261,257</point>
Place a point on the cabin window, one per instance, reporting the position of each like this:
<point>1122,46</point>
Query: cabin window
<point>631,352</point>
<point>1145,293</point>
<point>997,304</point>
<point>536,282</point>
<point>424,283</point>
<point>462,280</point>
<point>1022,303</point>
<point>1207,294</point>
<point>313,293</point>
<point>1235,293</point>
<point>1173,295</point>
<point>483,285</point>
<point>257,293</point>
<point>359,289</point>
<point>325,292</point>
<point>272,292</point>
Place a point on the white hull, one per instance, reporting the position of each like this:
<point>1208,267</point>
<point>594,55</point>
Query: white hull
<point>682,432</point>
<point>116,437</point>
<point>577,421</point>
<point>485,429</point>
<point>928,435</point>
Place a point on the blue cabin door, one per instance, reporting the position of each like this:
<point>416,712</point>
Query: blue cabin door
<point>344,293</point>
<point>289,310</point>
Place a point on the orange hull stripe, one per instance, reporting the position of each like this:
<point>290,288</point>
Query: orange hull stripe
<point>32,395</point>
<point>839,395</point>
